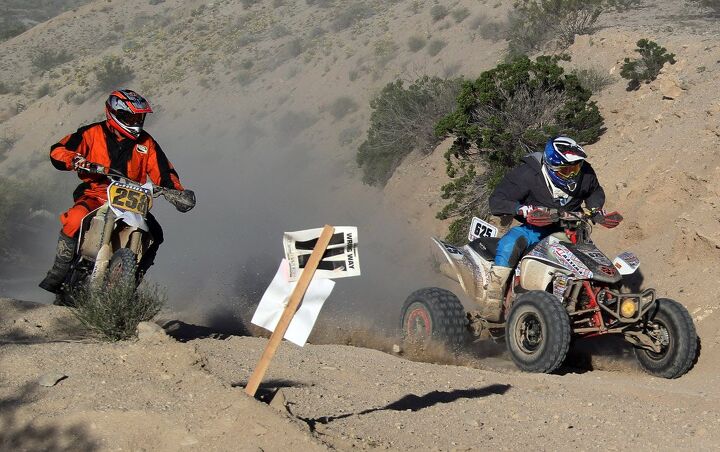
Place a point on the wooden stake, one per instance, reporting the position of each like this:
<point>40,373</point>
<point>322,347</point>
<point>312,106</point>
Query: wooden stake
<point>292,306</point>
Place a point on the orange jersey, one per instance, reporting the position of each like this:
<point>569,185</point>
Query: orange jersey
<point>98,144</point>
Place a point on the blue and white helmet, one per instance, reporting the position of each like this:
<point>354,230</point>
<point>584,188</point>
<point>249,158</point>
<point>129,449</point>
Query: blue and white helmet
<point>563,159</point>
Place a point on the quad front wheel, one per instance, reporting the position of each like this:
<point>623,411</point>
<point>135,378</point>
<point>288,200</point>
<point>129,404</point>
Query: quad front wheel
<point>669,324</point>
<point>538,332</point>
<point>433,314</point>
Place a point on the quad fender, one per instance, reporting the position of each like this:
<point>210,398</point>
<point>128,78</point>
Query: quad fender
<point>626,263</point>
<point>463,265</point>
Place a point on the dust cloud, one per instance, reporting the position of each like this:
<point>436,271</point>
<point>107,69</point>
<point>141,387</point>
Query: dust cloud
<point>255,179</point>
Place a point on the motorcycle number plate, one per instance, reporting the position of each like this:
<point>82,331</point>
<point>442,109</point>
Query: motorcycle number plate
<point>480,228</point>
<point>129,199</point>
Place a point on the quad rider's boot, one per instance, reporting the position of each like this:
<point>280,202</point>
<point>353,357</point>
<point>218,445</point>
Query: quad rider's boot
<point>495,293</point>
<point>63,257</point>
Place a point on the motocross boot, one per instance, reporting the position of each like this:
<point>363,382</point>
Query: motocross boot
<point>494,293</point>
<point>63,257</point>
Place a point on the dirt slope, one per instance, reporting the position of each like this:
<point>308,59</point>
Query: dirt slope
<point>159,394</point>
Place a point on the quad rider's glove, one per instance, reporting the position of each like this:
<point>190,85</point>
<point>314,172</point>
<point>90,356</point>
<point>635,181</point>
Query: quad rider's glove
<point>608,220</point>
<point>538,216</point>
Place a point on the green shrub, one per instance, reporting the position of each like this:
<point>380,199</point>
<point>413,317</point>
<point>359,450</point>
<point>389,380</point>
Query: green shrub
<point>435,46</point>
<point>342,106</point>
<point>438,12</point>
<point>112,72</point>
<point>460,14</point>
<point>43,90</point>
<point>500,117</point>
<point>350,15</point>
<point>46,59</point>
<point>416,43</point>
<point>645,69</point>
<point>534,23</point>
<point>593,79</point>
<point>402,120</point>
<point>385,50</point>
<point>712,5</point>
<point>114,312</point>
<point>11,27</point>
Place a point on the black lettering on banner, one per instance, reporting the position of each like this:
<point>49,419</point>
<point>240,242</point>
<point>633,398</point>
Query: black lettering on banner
<point>336,239</point>
<point>304,258</point>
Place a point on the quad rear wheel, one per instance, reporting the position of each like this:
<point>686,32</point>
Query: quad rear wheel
<point>538,332</point>
<point>670,325</point>
<point>434,314</point>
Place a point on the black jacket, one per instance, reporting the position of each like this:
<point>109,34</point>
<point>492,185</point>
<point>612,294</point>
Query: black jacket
<point>525,185</point>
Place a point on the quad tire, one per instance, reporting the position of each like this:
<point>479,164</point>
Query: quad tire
<point>537,332</point>
<point>434,314</point>
<point>675,329</point>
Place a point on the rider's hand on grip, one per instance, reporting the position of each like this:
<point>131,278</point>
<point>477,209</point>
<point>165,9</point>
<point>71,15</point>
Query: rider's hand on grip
<point>79,163</point>
<point>608,220</point>
<point>539,216</point>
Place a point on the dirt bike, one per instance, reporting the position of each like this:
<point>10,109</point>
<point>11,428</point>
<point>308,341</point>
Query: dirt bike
<point>114,237</point>
<point>563,288</point>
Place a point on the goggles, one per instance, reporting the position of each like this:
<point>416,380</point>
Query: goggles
<point>568,171</point>
<point>130,119</point>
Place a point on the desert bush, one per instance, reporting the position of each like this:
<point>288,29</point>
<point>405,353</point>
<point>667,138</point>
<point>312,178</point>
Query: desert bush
<point>435,46</point>
<point>460,14</point>
<point>114,311</point>
<point>489,29</point>
<point>46,58</point>
<point>320,3</point>
<point>712,5</point>
<point>503,115</point>
<point>355,12</point>
<point>416,43</point>
<point>534,23</point>
<point>593,79</point>
<point>156,2</point>
<point>74,97</point>
<point>385,50</point>
<point>112,72</point>
<point>279,30</point>
<point>402,120</point>
<point>43,90</point>
<point>4,88</point>
<point>342,106</point>
<point>249,3</point>
<point>438,12</point>
<point>292,123</point>
<point>645,69</point>
<point>10,27</point>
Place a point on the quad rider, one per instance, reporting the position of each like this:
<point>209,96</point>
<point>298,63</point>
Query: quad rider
<point>121,144</point>
<point>558,179</point>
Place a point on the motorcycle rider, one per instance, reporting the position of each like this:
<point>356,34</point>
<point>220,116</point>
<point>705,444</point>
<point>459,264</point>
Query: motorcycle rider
<point>558,178</point>
<point>119,142</point>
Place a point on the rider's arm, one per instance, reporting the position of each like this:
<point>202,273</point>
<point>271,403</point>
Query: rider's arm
<point>160,170</point>
<point>508,195</point>
<point>63,152</point>
<point>596,195</point>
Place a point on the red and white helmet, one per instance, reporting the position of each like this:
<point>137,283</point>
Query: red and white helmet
<point>125,110</point>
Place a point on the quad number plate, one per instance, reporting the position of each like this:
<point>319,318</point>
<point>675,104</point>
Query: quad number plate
<point>129,199</point>
<point>480,228</point>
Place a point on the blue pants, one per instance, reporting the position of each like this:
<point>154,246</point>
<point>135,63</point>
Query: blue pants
<point>506,251</point>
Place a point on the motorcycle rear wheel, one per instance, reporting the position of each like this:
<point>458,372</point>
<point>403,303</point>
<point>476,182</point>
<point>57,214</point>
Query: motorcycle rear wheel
<point>674,328</point>
<point>434,314</point>
<point>537,332</point>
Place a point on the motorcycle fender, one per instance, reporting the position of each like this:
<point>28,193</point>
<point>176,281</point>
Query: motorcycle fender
<point>626,263</point>
<point>101,263</point>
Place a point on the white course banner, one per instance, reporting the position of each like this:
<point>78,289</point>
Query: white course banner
<point>480,228</point>
<point>273,303</point>
<point>339,261</point>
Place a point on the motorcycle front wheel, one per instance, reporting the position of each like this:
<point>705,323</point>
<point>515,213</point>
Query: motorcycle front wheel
<point>122,268</point>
